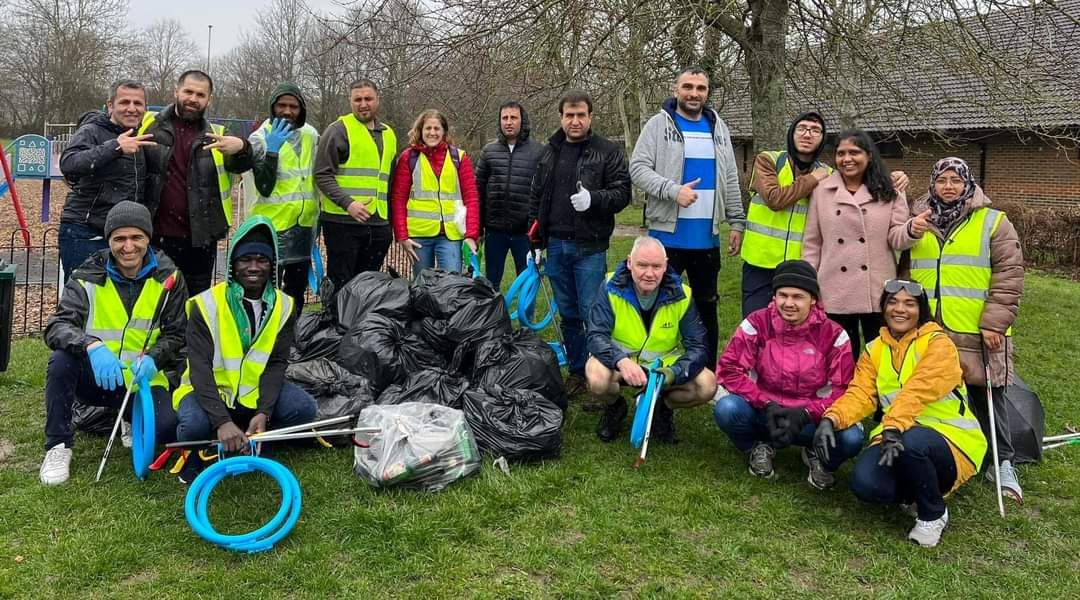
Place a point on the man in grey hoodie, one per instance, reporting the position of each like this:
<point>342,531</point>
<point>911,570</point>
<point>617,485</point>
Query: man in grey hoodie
<point>684,162</point>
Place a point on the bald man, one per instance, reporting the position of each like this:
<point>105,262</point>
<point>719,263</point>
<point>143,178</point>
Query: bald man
<point>646,313</point>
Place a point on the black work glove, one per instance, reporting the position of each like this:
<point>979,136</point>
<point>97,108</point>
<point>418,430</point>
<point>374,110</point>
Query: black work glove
<point>776,423</point>
<point>892,445</point>
<point>824,439</point>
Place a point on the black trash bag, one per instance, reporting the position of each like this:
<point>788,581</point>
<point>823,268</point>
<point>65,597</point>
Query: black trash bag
<point>316,337</point>
<point>430,386</point>
<point>1027,421</point>
<point>372,292</point>
<point>441,294</point>
<point>520,360</point>
<point>337,392</point>
<point>97,420</point>
<point>517,424</point>
<point>380,349</point>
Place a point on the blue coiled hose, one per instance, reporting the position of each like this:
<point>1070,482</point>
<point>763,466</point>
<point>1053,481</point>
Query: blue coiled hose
<point>524,290</point>
<point>142,430</point>
<point>261,539</point>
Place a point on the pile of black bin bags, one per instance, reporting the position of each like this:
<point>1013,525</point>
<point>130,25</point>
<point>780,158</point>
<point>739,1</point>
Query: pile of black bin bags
<point>445,339</point>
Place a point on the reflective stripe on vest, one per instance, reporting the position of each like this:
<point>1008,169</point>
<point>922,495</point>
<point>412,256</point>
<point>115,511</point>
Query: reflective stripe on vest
<point>663,340</point>
<point>224,178</point>
<point>434,200</point>
<point>773,236</point>
<point>292,202</point>
<point>949,416</point>
<point>958,272</point>
<point>365,175</point>
<point>236,373</point>
<point>121,333</point>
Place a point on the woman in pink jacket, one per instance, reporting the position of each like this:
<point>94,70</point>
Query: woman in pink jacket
<point>856,225</point>
<point>784,365</point>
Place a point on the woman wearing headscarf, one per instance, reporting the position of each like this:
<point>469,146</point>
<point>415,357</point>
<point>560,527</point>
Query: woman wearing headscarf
<point>968,258</point>
<point>857,220</point>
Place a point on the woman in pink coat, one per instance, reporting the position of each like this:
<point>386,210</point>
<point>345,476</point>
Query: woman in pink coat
<point>856,226</point>
<point>784,365</point>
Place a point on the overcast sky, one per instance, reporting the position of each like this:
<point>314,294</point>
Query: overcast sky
<point>229,17</point>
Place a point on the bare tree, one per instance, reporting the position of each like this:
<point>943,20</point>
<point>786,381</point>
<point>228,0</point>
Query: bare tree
<point>165,50</point>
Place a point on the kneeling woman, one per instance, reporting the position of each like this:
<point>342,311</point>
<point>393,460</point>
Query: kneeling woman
<point>928,442</point>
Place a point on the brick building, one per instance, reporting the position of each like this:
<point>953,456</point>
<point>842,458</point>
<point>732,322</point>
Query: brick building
<point>1022,144</point>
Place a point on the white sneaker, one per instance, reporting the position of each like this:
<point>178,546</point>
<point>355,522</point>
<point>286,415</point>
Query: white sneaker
<point>56,468</point>
<point>1010,483</point>
<point>928,533</point>
<point>720,393</point>
<point>125,433</point>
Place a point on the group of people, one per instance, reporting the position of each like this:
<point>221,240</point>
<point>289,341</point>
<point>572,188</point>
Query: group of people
<point>838,267</point>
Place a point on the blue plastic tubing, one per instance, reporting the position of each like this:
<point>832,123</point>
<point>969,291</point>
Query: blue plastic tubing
<point>524,290</point>
<point>261,539</point>
<point>142,430</point>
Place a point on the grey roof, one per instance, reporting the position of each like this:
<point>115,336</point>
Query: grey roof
<point>1021,70</point>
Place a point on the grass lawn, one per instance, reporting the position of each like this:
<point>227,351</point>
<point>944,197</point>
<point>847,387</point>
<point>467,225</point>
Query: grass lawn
<point>690,523</point>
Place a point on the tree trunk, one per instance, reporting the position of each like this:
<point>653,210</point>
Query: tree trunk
<point>765,64</point>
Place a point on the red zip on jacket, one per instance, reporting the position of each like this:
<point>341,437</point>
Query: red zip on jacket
<point>402,186</point>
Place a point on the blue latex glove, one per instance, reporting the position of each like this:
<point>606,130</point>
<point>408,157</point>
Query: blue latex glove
<point>108,371</point>
<point>143,367</point>
<point>280,130</point>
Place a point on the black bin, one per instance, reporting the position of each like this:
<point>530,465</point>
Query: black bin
<point>7,307</point>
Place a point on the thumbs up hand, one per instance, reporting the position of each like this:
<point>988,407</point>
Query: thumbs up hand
<point>918,224</point>
<point>687,195</point>
<point>582,199</point>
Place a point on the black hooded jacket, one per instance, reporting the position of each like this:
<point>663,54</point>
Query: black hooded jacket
<point>100,174</point>
<point>793,155</point>
<point>504,179</point>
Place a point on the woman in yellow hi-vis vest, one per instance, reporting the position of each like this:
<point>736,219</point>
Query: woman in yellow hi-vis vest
<point>928,442</point>
<point>434,202</point>
<point>968,257</point>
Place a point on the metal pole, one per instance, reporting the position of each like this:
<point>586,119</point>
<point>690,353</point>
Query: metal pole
<point>209,31</point>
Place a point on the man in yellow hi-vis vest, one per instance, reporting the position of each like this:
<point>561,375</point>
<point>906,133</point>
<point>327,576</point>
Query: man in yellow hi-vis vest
<point>282,185</point>
<point>644,312</point>
<point>352,171</point>
<point>99,328</point>
<point>189,178</point>
<point>238,337</point>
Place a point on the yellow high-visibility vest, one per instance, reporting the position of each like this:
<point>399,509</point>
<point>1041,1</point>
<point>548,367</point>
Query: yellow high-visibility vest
<point>956,274</point>
<point>121,333</point>
<point>236,373</point>
<point>662,340</point>
<point>292,202</point>
<point>434,200</point>
<point>773,236</point>
<point>950,416</point>
<point>365,176</point>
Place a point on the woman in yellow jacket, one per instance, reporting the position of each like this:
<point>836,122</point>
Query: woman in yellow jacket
<point>928,442</point>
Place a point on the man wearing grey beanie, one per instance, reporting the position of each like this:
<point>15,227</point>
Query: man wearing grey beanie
<point>109,306</point>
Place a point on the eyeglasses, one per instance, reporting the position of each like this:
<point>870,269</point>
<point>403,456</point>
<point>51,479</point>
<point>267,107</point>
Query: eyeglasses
<point>811,131</point>
<point>893,286</point>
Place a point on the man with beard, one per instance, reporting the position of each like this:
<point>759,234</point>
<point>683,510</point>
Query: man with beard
<point>283,184</point>
<point>684,162</point>
<point>189,186</point>
<point>352,170</point>
<point>105,165</point>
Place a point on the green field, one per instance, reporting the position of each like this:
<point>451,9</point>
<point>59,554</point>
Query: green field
<point>690,523</point>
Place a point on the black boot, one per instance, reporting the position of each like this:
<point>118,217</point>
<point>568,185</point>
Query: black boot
<point>611,422</point>
<point>663,424</point>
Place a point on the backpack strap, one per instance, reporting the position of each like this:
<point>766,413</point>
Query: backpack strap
<point>455,155</point>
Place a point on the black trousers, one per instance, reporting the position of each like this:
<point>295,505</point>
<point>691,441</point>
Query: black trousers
<point>756,288</point>
<point>354,248</point>
<point>869,322</point>
<point>977,397</point>
<point>702,268</point>
<point>196,264</point>
<point>293,279</point>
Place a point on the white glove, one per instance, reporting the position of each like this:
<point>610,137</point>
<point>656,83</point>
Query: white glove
<point>582,199</point>
<point>459,218</point>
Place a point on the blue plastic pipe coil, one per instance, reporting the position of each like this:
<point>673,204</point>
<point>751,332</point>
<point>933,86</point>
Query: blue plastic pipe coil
<point>142,430</point>
<point>261,539</point>
<point>524,290</point>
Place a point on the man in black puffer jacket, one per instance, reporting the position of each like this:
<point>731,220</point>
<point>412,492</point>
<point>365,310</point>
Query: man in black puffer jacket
<point>580,184</point>
<point>104,163</point>
<point>504,174</point>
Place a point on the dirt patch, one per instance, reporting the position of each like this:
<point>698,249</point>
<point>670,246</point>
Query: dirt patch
<point>6,450</point>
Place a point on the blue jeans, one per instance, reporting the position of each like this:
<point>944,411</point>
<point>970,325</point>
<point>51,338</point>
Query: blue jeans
<point>294,407</point>
<point>496,245</point>
<point>922,474</point>
<point>77,242</point>
<point>576,279</point>
<point>437,251</point>
<point>746,426</point>
<point>70,376</point>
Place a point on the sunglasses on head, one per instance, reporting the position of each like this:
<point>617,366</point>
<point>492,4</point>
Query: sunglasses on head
<point>893,286</point>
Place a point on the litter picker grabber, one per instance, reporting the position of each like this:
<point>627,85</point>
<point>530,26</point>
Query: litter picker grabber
<point>1061,438</point>
<point>643,415</point>
<point>524,291</point>
<point>993,432</point>
<point>168,285</point>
